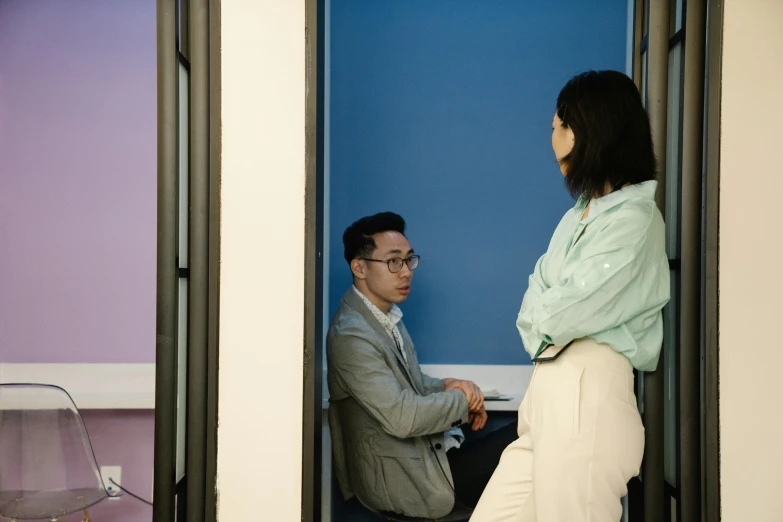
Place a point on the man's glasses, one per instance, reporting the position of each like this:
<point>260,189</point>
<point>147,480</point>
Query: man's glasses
<point>395,263</point>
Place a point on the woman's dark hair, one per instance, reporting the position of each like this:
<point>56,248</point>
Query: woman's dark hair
<point>357,239</point>
<point>612,140</point>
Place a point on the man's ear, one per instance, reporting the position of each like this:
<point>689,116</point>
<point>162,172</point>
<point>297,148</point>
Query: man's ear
<point>358,267</point>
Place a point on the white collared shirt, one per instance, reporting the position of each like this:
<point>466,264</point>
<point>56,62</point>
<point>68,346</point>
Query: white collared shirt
<point>388,320</point>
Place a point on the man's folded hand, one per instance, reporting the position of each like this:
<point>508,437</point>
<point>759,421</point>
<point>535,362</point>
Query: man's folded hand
<point>478,419</point>
<point>471,391</point>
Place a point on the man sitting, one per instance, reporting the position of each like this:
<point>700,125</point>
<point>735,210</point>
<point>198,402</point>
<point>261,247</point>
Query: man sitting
<point>397,444</point>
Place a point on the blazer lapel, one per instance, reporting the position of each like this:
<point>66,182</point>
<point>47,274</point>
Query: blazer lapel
<point>412,358</point>
<point>355,302</point>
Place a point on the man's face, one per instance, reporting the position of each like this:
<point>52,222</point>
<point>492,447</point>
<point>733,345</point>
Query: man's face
<point>384,286</point>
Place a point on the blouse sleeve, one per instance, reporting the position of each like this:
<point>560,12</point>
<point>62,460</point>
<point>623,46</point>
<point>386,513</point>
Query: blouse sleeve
<point>609,286</point>
<point>536,287</point>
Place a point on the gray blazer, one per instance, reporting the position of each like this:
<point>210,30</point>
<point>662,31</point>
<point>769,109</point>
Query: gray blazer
<point>387,421</point>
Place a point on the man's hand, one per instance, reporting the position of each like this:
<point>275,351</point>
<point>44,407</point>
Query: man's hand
<point>478,419</point>
<point>471,391</point>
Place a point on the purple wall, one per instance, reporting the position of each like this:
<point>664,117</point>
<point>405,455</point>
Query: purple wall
<point>78,205</point>
<point>123,438</point>
<point>77,181</point>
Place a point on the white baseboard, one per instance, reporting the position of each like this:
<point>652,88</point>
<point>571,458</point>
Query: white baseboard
<point>132,386</point>
<point>92,386</point>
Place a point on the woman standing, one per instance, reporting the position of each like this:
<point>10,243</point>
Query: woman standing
<point>598,291</point>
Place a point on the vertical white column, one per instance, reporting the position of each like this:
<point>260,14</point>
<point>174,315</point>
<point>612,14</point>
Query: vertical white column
<point>749,261</point>
<point>262,259</point>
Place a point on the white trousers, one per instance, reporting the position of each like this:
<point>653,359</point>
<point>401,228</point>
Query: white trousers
<point>581,440</point>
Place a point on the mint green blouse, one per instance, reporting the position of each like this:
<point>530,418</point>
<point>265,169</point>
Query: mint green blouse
<point>605,277</point>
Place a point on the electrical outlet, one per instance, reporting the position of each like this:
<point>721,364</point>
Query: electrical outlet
<point>112,477</point>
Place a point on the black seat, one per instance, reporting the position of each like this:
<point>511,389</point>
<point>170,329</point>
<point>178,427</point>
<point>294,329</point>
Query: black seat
<point>458,514</point>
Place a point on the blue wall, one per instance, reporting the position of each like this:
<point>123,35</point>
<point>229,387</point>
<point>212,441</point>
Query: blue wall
<point>441,111</point>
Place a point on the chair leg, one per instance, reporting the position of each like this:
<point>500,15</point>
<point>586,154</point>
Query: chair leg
<point>86,517</point>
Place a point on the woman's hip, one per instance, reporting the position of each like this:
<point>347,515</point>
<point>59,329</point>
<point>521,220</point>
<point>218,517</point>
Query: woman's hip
<point>587,383</point>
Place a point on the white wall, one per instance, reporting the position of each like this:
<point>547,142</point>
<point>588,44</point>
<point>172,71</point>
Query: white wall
<point>751,261</point>
<point>262,268</point>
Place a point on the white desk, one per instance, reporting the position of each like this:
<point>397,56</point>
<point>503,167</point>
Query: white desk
<point>508,380</point>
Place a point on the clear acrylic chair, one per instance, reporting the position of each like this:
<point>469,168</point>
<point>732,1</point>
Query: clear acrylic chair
<point>47,465</point>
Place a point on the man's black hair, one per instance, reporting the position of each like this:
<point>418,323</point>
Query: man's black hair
<point>357,239</point>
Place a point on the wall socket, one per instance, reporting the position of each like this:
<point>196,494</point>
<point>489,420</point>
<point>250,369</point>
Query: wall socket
<point>114,473</point>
